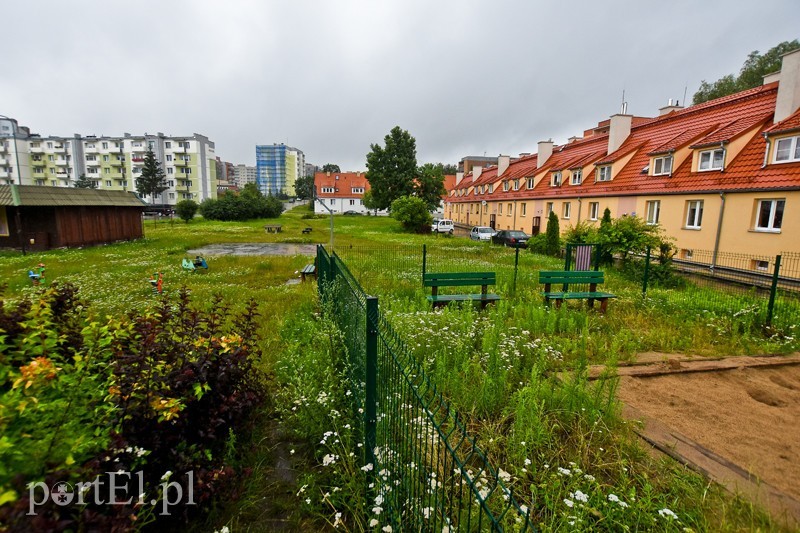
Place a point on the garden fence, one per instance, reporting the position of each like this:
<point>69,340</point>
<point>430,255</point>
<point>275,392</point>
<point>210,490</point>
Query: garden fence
<point>424,472</point>
<point>767,288</point>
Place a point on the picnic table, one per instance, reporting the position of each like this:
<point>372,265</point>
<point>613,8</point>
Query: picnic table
<point>272,228</point>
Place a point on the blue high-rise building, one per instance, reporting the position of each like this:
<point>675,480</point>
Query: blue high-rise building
<point>277,168</point>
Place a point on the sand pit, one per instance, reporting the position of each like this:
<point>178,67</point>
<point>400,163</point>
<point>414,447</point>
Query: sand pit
<point>748,416</point>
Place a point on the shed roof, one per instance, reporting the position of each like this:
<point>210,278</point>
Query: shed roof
<point>38,195</point>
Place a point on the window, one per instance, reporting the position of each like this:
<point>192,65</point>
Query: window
<point>577,177</point>
<point>694,214</point>
<point>530,183</point>
<point>489,188</point>
<point>653,210</point>
<point>168,157</point>
<point>761,266</point>
<point>328,190</point>
<point>332,201</point>
<point>39,170</point>
<point>352,202</point>
<point>549,208</point>
<point>787,149</point>
<point>92,170</point>
<point>508,213</point>
<point>556,179</point>
<point>711,159</point>
<point>172,196</point>
<point>39,182</point>
<point>170,170</point>
<point>167,144</point>
<point>358,190</point>
<point>566,209</point>
<point>769,215</point>
<point>170,183</point>
<point>107,170</point>
<point>505,185</point>
<point>50,158</point>
<point>594,209</point>
<point>523,209</point>
<point>151,145</point>
<point>499,208</point>
<point>105,158</point>
<point>53,183</point>
<point>186,171</point>
<point>105,146</point>
<point>108,183</point>
<point>49,145</point>
<point>91,158</point>
<point>662,165</point>
<point>688,254</point>
<point>604,173</point>
<point>52,171</point>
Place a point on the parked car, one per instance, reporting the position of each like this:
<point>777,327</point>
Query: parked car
<point>511,237</point>
<point>481,233</point>
<point>351,213</point>
<point>444,225</point>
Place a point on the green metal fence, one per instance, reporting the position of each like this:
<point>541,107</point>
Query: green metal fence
<point>764,288</point>
<point>424,472</point>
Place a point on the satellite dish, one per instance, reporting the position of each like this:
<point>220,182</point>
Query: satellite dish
<point>483,202</point>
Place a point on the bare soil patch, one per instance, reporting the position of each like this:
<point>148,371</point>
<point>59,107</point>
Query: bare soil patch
<point>748,415</point>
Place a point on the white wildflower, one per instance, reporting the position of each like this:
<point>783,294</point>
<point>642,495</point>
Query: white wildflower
<point>666,513</point>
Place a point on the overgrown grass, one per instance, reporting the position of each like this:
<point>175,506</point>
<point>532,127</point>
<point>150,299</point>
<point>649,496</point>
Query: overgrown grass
<point>498,367</point>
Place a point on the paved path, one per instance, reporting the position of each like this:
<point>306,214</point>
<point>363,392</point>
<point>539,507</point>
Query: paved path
<point>258,248</point>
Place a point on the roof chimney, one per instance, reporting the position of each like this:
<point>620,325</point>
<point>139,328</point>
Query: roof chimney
<point>502,164</point>
<point>476,172</point>
<point>459,177</point>
<point>788,100</point>
<point>619,129</point>
<point>544,153</point>
<point>669,108</point>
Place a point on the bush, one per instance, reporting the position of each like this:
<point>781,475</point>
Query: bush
<point>412,213</point>
<point>186,209</point>
<point>553,236</point>
<point>248,205</point>
<point>581,233</point>
<point>163,393</point>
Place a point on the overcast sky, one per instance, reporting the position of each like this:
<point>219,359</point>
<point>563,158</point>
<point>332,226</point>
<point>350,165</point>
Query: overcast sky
<point>332,76</point>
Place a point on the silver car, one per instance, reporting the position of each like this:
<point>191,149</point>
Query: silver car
<point>481,233</point>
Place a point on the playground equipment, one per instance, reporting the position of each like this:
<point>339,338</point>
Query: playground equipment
<point>193,264</point>
<point>157,283</point>
<point>37,274</point>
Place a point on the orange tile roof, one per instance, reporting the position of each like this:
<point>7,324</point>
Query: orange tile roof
<point>732,129</point>
<point>788,124</point>
<point>343,186</point>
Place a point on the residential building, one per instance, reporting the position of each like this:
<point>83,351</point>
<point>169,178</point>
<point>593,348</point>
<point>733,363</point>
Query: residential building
<point>277,168</point>
<point>243,175</point>
<point>722,176</point>
<point>340,191</point>
<point>113,163</point>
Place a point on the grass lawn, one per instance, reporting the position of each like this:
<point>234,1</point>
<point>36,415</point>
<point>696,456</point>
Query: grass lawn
<point>498,368</point>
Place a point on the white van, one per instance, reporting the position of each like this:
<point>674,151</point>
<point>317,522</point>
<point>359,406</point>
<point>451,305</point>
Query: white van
<point>444,225</point>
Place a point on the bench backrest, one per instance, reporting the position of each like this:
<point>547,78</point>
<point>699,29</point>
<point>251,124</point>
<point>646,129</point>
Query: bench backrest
<point>571,276</point>
<point>458,279</point>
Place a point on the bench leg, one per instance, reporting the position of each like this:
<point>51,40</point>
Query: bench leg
<point>603,305</point>
<point>302,276</point>
<point>558,303</point>
<point>591,303</point>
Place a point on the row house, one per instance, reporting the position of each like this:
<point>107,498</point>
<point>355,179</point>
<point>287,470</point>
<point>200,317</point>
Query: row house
<point>340,191</point>
<point>722,176</point>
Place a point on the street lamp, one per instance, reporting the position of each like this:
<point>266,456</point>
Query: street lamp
<point>314,193</point>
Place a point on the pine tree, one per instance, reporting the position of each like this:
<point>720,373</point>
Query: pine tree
<point>553,237</point>
<point>151,182</point>
<point>85,183</point>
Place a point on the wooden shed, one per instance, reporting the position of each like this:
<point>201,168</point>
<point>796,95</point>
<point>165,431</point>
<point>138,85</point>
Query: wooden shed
<point>34,217</point>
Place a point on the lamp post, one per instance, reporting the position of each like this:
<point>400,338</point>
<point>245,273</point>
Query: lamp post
<point>329,211</point>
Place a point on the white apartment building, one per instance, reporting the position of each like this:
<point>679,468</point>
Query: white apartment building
<point>244,174</point>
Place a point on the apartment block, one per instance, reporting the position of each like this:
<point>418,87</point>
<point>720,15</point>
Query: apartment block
<point>277,168</point>
<point>113,163</point>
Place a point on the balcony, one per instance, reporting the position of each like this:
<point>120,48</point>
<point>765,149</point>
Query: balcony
<point>92,150</point>
<point>61,163</point>
<point>36,149</point>
<point>3,148</point>
<point>135,159</point>
<point>5,173</point>
<point>180,163</point>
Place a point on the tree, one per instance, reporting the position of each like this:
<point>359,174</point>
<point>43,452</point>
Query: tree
<point>330,167</point>
<point>304,188</point>
<point>751,74</point>
<point>186,209</point>
<point>391,170</point>
<point>412,213</point>
<point>448,169</point>
<point>553,242</point>
<point>151,182</point>
<point>429,185</point>
<point>85,183</point>
<point>368,201</point>
<point>604,252</point>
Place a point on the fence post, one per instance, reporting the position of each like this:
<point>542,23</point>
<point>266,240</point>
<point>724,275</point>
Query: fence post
<point>646,272</point>
<point>516,264</point>
<point>371,396</point>
<point>567,257</point>
<point>773,290</point>
<point>424,260</point>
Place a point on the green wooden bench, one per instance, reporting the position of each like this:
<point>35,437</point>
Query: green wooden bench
<point>460,279</point>
<point>308,270</point>
<point>566,278</point>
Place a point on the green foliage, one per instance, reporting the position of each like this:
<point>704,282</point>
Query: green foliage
<point>630,235</point>
<point>751,74</point>
<point>186,209</point>
<point>391,170</point>
<point>581,233</point>
<point>247,205</point>
<point>151,182</point>
<point>304,187</point>
<point>429,185</point>
<point>412,213</point>
<point>553,235</point>
<point>330,167</point>
<point>448,169</point>
<point>368,200</point>
<point>85,183</point>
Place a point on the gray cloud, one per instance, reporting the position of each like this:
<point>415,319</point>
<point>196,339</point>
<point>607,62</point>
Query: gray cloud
<point>463,77</point>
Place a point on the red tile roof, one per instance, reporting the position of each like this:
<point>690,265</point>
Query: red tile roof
<point>788,124</point>
<point>343,185</point>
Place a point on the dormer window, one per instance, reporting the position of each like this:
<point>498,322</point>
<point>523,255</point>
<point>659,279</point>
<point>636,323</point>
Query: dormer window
<point>787,150</point>
<point>604,173</point>
<point>577,176</point>
<point>505,186</point>
<point>489,190</point>
<point>530,183</point>
<point>516,185</point>
<point>358,190</point>
<point>555,181</point>
<point>662,165</point>
<point>711,160</point>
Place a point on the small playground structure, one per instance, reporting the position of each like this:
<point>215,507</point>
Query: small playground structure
<point>193,264</point>
<point>157,283</point>
<point>36,274</point>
